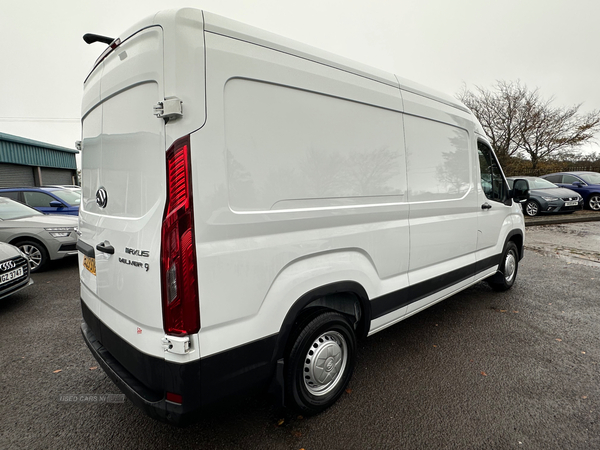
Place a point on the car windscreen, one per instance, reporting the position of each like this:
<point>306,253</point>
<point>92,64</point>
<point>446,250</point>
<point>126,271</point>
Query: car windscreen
<point>540,183</point>
<point>534,183</point>
<point>591,178</point>
<point>72,198</point>
<point>10,209</point>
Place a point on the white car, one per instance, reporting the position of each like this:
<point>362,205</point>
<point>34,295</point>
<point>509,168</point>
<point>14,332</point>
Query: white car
<point>14,270</point>
<point>42,237</point>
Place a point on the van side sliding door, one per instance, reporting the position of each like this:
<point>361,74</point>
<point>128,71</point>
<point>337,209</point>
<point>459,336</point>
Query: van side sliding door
<point>442,200</point>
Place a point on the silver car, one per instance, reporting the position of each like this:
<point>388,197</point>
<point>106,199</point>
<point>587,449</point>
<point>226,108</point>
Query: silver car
<point>14,270</point>
<point>42,237</point>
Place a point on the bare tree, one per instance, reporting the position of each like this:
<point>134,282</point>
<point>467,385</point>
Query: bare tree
<point>548,132</point>
<point>519,122</point>
<point>499,112</point>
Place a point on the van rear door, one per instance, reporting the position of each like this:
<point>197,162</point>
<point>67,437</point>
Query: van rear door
<point>123,178</point>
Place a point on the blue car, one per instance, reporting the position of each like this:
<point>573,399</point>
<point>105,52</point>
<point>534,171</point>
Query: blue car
<point>586,184</point>
<point>49,200</point>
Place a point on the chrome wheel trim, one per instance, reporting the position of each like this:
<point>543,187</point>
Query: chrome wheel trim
<point>325,363</point>
<point>532,209</point>
<point>595,202</point>
<point>510,266</point>
<point>33,253</point>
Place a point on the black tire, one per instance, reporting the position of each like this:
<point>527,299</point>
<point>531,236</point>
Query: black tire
<point>531,208</point>
<point>507,271</point>
<point>37,253</point>
<point>320,362</point>
<point>594,202</point>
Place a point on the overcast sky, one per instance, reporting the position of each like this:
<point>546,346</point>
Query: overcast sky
<point>548,44</point>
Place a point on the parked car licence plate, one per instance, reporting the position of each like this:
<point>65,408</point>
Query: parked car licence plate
<point>9,276</point>
<point>573,203</point>
<point>89,264</point>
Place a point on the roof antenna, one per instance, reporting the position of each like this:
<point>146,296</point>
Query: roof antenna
<point>90,38</point>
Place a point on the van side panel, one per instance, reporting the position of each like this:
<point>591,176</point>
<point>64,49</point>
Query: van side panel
<point>291,149</point>
<point>442,194</point>
<point>442,197</point>
<point>280,187</point>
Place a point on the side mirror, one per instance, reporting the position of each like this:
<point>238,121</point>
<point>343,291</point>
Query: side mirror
<point>577,184</point>
<point>56,204</point>
<point>520,191</point>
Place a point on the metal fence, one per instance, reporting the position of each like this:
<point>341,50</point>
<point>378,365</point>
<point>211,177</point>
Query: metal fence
<point>557,168</point>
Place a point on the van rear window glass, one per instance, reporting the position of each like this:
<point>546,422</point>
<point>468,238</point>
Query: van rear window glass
<point>289,148</point>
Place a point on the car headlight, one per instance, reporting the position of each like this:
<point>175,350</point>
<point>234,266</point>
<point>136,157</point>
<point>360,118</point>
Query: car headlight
<point>59,231</point>
<point>550,199</point>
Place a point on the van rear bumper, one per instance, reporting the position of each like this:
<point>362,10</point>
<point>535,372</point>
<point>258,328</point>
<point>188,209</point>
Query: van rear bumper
<point>146,379</point>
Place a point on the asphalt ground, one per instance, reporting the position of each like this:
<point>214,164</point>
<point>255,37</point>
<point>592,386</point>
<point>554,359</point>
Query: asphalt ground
<point>481,370</point>
<point>577,242</point>
<point>574,238</point>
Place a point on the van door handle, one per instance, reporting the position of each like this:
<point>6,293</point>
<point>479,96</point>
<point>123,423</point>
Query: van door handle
<point>105,247</point>
<point>486,205</point>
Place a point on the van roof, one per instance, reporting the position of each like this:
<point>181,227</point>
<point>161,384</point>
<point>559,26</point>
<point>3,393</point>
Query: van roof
<point>221,25</point>
<point>217,24</point>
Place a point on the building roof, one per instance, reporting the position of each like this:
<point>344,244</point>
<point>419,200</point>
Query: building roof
<point>27,152</point>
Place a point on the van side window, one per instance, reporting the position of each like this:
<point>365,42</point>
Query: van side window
<point>492,181</point>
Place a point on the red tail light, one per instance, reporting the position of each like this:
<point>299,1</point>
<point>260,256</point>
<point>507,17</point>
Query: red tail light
<point>181,308</point>
<point>175,398</point>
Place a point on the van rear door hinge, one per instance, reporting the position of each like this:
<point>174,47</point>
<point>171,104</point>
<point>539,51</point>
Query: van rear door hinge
<point>169,109</point>
<point>175,344</point>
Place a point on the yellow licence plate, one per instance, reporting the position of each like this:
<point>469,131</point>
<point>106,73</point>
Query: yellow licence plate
<point>90,264</point>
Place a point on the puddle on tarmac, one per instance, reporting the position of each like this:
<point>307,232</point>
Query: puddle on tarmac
<point>592,260</point>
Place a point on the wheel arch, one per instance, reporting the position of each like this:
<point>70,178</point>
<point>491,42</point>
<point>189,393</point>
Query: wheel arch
<point>517,237</point>
<point>44,254</point>
<point>346,297</point>
<point>26,238</point>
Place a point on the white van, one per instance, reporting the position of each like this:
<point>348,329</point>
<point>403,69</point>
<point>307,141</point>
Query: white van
<point>251,206</point>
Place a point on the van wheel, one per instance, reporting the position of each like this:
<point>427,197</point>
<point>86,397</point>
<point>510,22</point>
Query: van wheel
<point>320,362</point>
<point>507,272</point>
<point>37,254</point>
